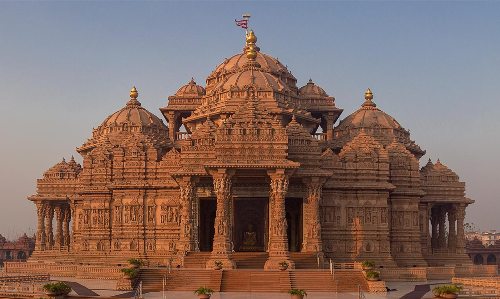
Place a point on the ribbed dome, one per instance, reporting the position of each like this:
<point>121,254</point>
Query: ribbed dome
<point>190,89</point>
<point>311,90</point>
<point>252,76</point>
<point>131,118</point>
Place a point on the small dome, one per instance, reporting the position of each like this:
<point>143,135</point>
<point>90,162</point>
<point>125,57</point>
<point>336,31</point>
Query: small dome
<point>131,118</point>
<point>63,170</point>
<point>190,90</point>
<point>311,90</point>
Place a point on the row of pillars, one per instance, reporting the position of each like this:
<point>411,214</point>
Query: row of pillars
<point>45,238</point>
<point>278,240</point>
<point>455,241</point>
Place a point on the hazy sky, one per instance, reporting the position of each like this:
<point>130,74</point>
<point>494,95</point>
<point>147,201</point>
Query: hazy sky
<point>65,66</point>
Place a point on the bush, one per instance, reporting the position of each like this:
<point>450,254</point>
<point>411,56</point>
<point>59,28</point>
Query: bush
<point>372,274</point>
<point>132,273</point>
<point>57,288</point>
<point>447,289</point>
<point>218,263</point>
<point>283,264</point>
<point>297,292</point>
<point>135,262</point>
<point>204,291</point>
<point>368,264</point>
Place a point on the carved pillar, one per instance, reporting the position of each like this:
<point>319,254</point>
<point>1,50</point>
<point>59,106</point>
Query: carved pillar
<point>442,230</point>
<point>434,223</point>
<point>312,225</point>
<point>49,236</point>
<point>40,232</point>
<point>278,241</point>
<point>59,226</point>
<point>66,232</point>
<point>188,240</point>
<point>222,238</point>
<point>171,125</point>
<point>329,127</point>
<point>452,235</point>
<point>460,214</point>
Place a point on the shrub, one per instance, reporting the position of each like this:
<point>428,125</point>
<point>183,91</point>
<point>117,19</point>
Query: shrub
<point>135,262</point>
<point>368,264</point>
<point>204,291</point>
<point>283,264</point>
<point>218,263</point>
<point>132,273</point>
<point>57,288</point>
<point>447,289</point>
<point>372,274</point>
<point>297,292</point>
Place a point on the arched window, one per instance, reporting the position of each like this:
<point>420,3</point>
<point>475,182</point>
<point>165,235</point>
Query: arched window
<point>478,259</point>
<point>491,260</point>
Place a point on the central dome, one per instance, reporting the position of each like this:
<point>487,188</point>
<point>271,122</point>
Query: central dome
<point>237,62</point>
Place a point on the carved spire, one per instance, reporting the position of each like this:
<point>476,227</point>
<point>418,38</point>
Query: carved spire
<point>133,97</point>
<point>251,49</point>
<point>368,99</point>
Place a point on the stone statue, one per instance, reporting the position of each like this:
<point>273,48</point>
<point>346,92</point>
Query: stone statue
<point>250,236</point>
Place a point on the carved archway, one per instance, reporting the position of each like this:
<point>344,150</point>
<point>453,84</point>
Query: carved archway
<point>491,260</point>
<point>478,259</point>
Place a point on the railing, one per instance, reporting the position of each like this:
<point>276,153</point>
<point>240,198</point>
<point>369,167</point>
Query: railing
<point>182,135</point>
<point>81,271</point>
<point>6,278</point>
<point>319,136</point>
<point>361,295</point>
<point>347,266</point>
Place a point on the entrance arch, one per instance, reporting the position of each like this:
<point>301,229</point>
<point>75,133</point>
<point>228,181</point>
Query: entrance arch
<point>478,259</point>
<point>491,260</point>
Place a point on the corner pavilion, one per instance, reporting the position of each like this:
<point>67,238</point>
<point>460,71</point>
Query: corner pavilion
<point>258,167</point>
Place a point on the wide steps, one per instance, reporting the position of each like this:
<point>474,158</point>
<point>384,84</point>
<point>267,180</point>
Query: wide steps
<point>255,281</point>
<point>314,281</point>
<point>196,260</point>
<point>349,280</point>
<point>179,280</point>
<point>250,260</point>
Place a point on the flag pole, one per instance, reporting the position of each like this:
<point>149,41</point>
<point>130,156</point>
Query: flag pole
<point>246,16</point>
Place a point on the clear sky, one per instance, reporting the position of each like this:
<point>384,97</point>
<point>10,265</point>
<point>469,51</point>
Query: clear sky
<point>65,66</point>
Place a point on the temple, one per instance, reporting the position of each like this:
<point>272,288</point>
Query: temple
<point>251,163</point>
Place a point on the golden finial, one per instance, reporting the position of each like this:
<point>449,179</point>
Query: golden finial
<point>368,99</point>
<point>134,93</point>
<point>251,48</point>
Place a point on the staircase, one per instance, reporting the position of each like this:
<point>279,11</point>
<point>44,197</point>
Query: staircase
<point>348,280</point>
<point>250,260</point>
<point>179,280</point>
<point>305,260</point>
<point>196,260</point>
<point>255,281</point>
<point>313,281</point>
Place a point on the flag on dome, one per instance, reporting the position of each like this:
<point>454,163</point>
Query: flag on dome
<point>242,23</point>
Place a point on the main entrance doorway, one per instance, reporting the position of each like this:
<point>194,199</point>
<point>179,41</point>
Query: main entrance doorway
<point>293,208</point>
<point>250,224</point>
<point>208,208</point>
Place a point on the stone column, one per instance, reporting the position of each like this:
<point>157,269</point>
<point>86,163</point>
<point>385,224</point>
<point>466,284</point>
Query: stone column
<point>278,241</point>
<point>49,236</point>
<point>59,225</point>
<point>460,214</point>
<point>312,241</point>
<point>66,232</point>
<point>222,237</point>
<point>434,223</point>
<point>171,125</point>
<point>452,236</point>
<point>40,232</point>
<point>329,127</point>
<point>442,230</point>
<point>188,240</point>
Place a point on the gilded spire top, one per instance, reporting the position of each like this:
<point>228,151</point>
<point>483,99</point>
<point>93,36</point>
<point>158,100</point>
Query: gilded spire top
<point>250,48</point>
<point>368,99</point>
<point>133,97</point>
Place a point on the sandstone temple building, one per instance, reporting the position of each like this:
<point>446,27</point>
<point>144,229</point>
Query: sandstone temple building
<point>251,163</point>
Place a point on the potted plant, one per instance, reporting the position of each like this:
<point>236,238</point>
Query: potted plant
<point>135,263</point>
<point>218,265</point>
<point>372,275</point>
<point>55,289</point>
<point>130,273</point>
<point>204,292</point>
<point>297,293</point>
<point>283,265</point>
<point>368,265</point>
<point>449,291</point>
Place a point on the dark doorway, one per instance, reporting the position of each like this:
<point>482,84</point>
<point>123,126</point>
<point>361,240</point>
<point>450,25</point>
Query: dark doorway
<point>478,259</point>
<point>250,224</point>
<point>207,221</point>
<point>293,207</point>
<point>491,260</point>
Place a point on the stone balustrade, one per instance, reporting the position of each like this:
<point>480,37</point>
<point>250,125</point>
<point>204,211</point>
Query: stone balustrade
<point>80,271</point>
<point>436,273</point>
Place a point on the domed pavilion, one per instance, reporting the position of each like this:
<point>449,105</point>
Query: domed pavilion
<point>250,163</point>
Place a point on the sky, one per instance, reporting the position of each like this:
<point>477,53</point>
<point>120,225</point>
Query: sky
<point>66,65</point>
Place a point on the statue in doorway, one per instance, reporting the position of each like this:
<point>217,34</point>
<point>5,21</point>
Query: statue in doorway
<point>249,242</point>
